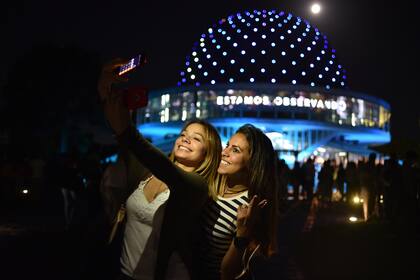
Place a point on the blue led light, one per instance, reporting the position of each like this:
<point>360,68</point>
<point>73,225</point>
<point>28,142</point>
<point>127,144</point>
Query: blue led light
<point>251,80</point>
<point>213,82</point>
<point>218,42</point>
<point>294,82</point>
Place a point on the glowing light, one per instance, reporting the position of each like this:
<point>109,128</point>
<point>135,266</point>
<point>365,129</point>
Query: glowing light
<point>353,219</point>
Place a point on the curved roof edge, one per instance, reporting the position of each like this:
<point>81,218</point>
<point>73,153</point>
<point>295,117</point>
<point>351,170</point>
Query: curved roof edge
<point>334,91</point>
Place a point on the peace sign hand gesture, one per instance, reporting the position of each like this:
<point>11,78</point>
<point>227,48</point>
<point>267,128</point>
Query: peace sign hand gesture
<point>247,214</point>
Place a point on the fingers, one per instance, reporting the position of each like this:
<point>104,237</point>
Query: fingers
<point>251,203</point>
<point>113,65</point>
<point>262,203</point>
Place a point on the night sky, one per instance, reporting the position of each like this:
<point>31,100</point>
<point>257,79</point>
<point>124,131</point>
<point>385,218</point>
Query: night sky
<point>377,42</point>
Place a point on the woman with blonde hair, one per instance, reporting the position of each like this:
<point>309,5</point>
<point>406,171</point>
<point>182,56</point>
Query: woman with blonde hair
<point>165,196</point>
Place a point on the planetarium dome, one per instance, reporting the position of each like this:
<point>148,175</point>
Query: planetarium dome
<point>263,47</point>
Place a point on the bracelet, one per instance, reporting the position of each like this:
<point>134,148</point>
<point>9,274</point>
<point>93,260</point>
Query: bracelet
<point>240,242</point>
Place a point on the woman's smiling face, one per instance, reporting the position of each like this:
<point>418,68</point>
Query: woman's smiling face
<point>235,156</point>
<point>190,147</point>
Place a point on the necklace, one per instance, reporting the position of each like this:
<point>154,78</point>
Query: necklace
<point>234,190</point>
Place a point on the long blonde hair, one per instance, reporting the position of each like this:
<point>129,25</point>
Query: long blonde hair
<point>208,167</point>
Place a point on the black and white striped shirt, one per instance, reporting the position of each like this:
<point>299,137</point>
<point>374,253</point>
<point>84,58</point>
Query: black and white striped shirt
<point>218,229</point>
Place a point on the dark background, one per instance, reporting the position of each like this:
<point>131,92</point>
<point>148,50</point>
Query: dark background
<point>376,41</point>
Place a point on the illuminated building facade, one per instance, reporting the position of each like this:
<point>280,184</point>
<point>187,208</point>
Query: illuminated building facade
<point>277,72</point>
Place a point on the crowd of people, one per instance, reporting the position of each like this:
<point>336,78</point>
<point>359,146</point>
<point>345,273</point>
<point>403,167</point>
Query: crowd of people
<point>388,189</point>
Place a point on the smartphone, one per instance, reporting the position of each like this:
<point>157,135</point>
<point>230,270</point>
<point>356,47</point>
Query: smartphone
<point>132,64</point>
<point>135,97</point>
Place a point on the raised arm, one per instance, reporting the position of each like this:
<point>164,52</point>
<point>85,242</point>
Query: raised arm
<point>118,117</point>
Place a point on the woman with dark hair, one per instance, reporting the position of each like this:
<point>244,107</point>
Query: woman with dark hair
<point>165,195</point>
<point>235,228</point>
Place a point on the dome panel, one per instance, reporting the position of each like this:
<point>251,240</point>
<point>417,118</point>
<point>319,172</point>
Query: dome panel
<point>263,47</point>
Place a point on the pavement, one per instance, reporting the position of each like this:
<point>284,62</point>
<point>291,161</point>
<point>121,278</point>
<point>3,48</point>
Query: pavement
<point>315,242</point>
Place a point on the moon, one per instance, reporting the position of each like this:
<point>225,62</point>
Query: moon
<point>315,8</point>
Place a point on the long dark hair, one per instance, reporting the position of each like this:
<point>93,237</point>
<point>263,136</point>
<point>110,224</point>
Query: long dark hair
<point>263,182</point>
